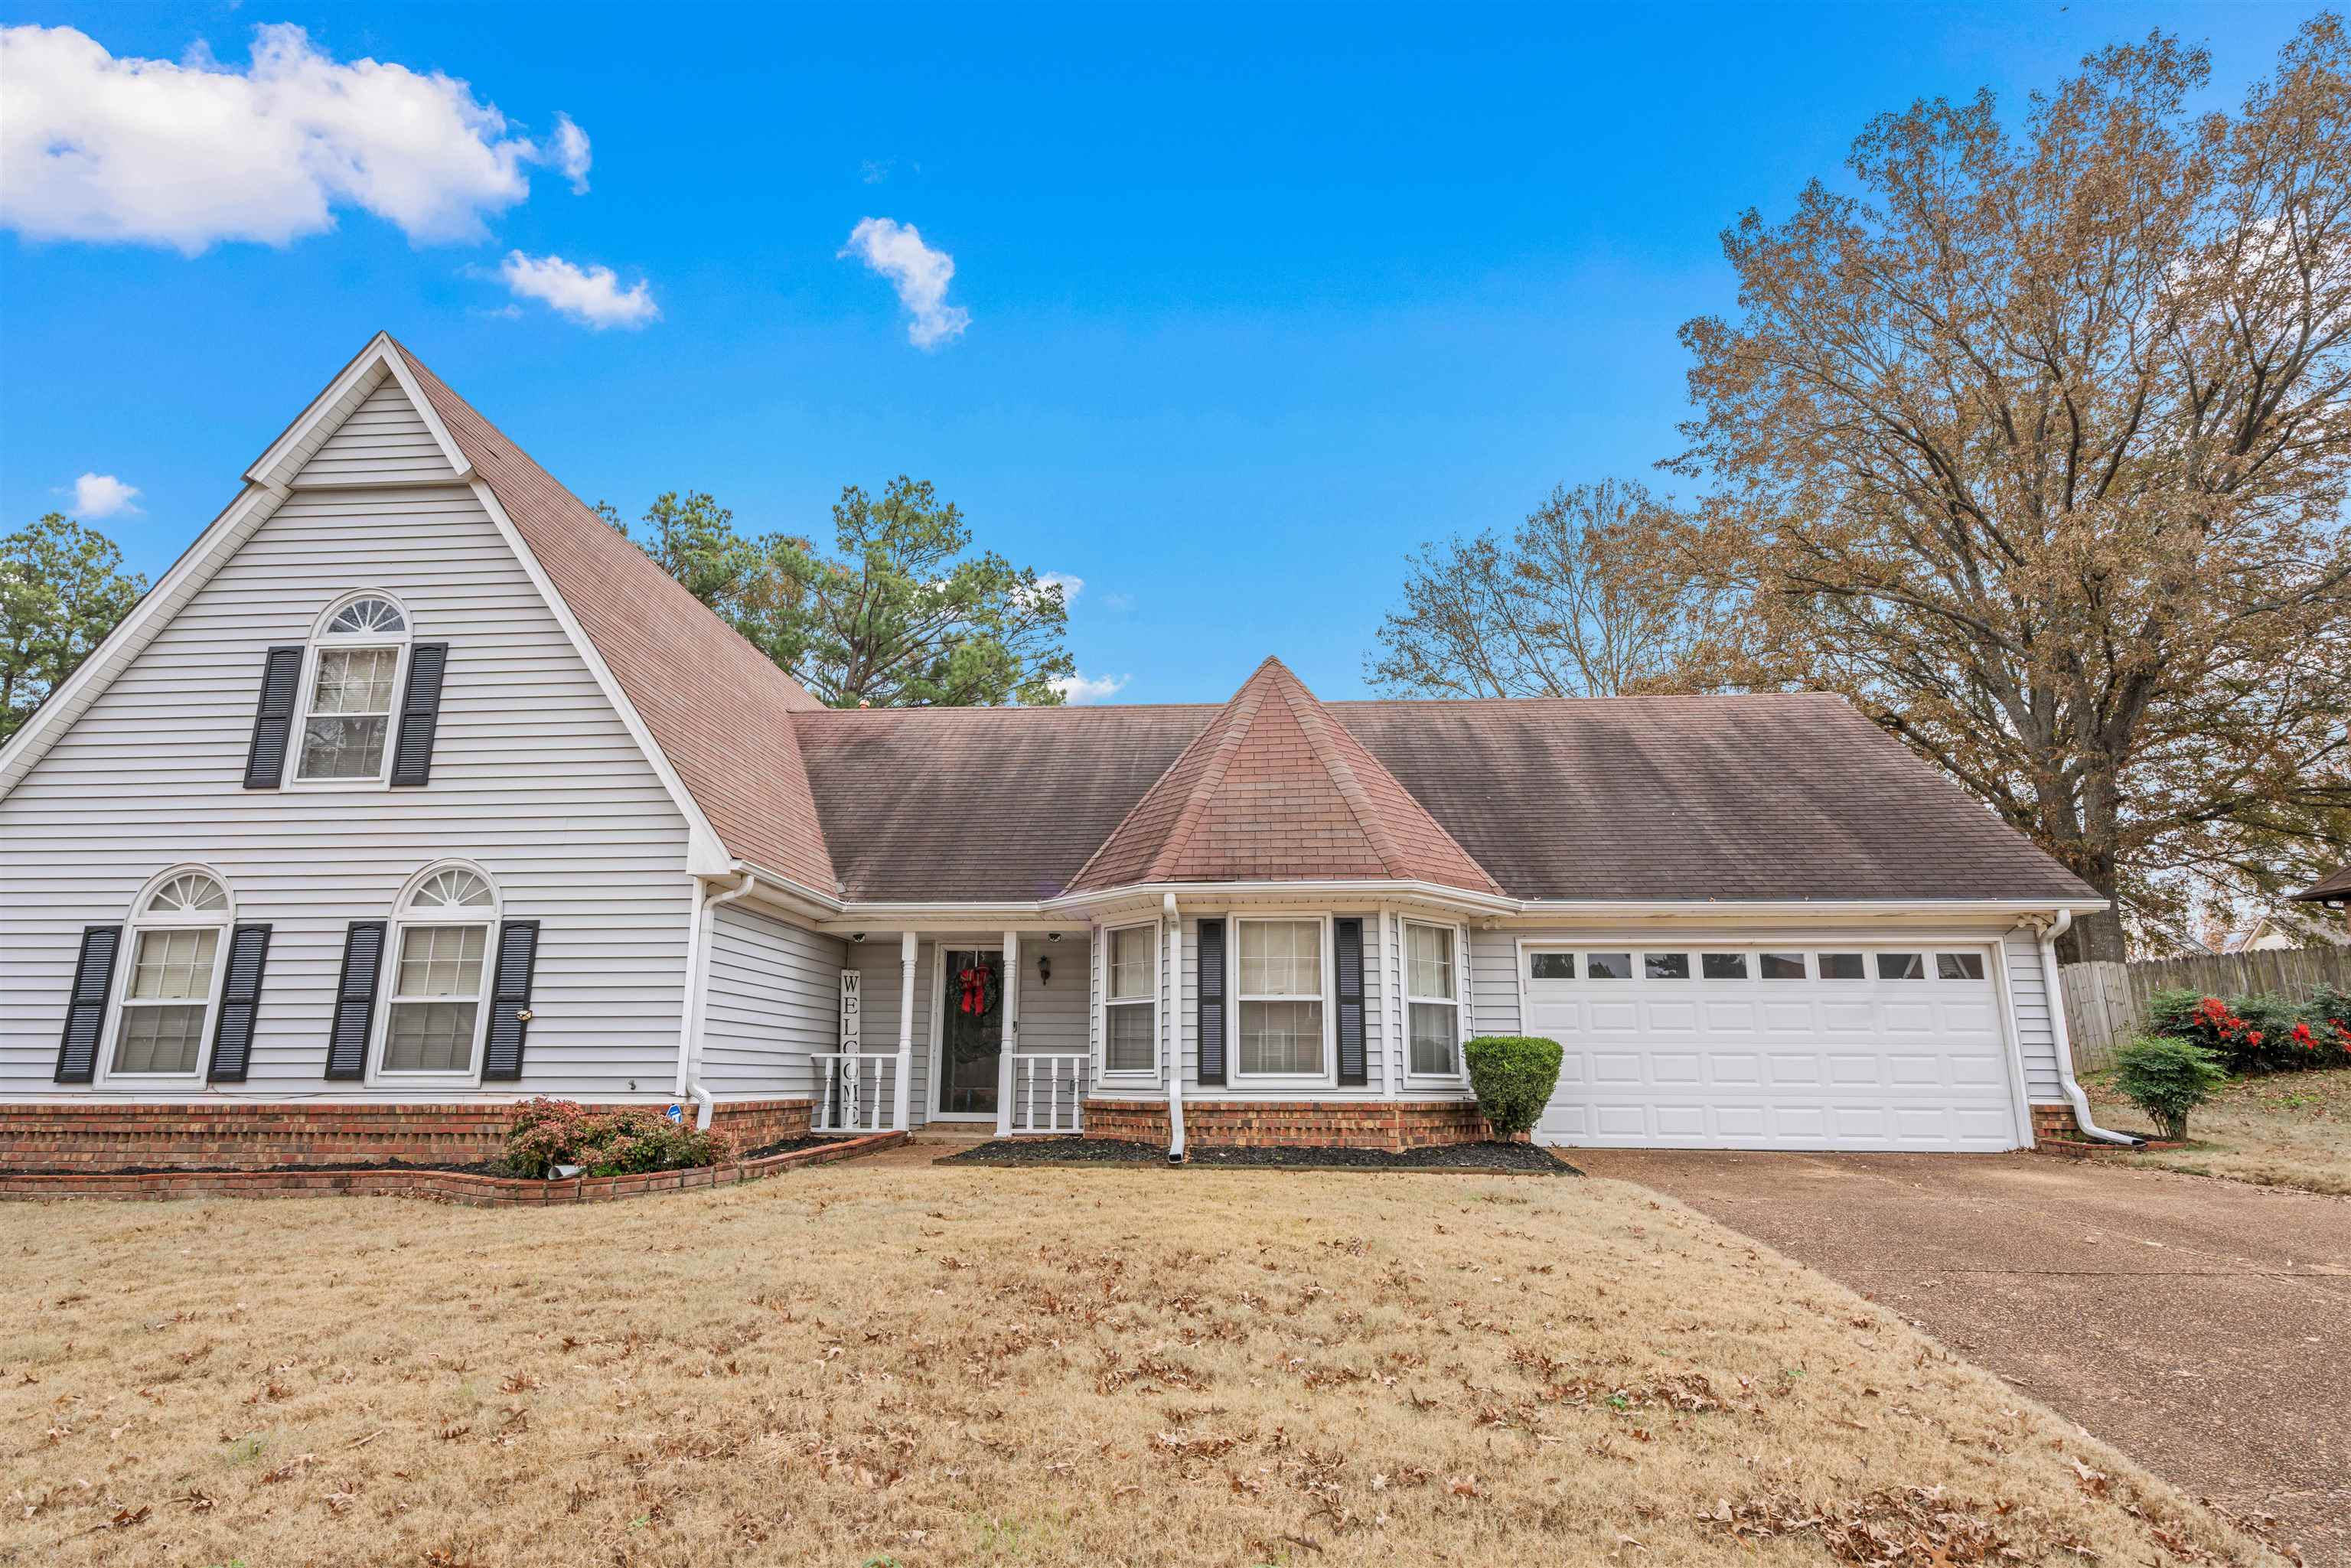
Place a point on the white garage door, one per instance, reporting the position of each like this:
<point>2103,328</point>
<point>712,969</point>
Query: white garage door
<point>1764,1047</point>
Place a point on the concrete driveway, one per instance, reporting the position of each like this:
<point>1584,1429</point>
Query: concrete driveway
<point>2201,1326</point>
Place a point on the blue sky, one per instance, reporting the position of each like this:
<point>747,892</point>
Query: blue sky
<point>1254,301</point>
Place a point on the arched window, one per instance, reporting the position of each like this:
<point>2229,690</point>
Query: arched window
<point>178,929</point>
<point>358,651</point>
<point>440,972</point>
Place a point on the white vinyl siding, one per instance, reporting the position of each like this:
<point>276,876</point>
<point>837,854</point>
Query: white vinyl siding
<point>774,1003</point>
<point>534,778</point>
<point>384,442</point>
<point>2036,1039</point>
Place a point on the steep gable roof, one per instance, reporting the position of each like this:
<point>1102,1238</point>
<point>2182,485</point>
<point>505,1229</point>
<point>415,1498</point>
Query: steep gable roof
<point>719,709</point>
<point>1275,790</point>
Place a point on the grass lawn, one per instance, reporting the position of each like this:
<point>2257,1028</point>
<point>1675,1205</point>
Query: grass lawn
<point>930,1365</point>
<point>2290,1129</point>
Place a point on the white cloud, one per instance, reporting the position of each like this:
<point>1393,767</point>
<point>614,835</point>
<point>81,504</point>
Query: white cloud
<point>920,275</point>
<point>192,152</point>
<point>591,296</point>
<point>1069,583</point>
<point>873,173</point>
<point>102,496</point>
<point>1084,688</point>
<point>569,154</point>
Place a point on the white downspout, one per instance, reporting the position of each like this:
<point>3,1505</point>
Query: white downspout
<point>689,1029</point>
<point>2049,978</point>
<point>1174,1029</point>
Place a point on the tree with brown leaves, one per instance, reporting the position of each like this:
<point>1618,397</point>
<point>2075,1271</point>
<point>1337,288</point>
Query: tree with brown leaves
<point>2036,444</point>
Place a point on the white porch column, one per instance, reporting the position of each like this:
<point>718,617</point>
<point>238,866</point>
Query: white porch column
<point>902,1091</point>
<point>1011,1033</point>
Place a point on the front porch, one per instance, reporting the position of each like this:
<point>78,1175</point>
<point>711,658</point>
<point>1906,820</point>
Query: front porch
<point>985,1030</point>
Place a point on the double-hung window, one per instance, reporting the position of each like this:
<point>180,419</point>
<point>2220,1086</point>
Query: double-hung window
<point>1280,999</point>
<point>1131,1001</point>
<point>1432,988</point>
<point>347,710</point>
<point>441,975</point>
<point>168,992</point>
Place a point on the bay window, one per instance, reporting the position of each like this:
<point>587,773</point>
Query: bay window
<point>1280,999</point>
<point>1433,998</point>
<point>1131,1000</point>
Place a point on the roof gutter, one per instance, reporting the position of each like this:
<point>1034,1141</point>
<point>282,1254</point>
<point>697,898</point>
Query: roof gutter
<point>2049,930</point>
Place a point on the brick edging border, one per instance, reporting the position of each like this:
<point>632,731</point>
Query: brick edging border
<point>444,1187</point>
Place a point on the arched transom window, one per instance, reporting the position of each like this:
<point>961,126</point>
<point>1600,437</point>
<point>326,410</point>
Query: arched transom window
<point>441,973</point>
<point>169,989</point>
<point>356,658</point>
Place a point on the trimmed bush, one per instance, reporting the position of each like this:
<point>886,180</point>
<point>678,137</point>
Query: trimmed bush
<point>2168,1078</point>
<point>549,1133</point>
<point>1513,1076</point>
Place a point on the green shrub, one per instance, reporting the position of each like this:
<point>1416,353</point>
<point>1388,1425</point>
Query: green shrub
<point>1513,1076</point>
<point>2172,1011</point>
<point>549,1133</point>
<point>2166,1078</point>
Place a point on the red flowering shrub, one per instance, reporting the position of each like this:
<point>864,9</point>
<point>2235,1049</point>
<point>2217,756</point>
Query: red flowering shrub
<point>2258,1034</point>
<point>549,1133</point>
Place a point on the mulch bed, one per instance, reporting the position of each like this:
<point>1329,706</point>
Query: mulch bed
<point>1516,1158</point>
<point>478,1167</point>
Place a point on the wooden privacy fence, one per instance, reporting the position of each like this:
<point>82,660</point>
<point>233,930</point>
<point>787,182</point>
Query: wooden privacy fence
<point>2106,1003</point>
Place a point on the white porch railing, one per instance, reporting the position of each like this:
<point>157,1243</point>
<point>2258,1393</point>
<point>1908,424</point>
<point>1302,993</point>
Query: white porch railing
<point>1048,1093</point>
<point>854,1092</point>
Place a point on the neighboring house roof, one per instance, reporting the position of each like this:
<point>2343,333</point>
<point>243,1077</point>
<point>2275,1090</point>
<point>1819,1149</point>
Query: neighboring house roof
<point>2326,888</point>
<point>719,709</point>
<point>1275,790</point>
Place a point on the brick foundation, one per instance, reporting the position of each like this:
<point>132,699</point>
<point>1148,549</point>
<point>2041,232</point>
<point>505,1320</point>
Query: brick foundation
<point>444,1187</point>
<point>2054,1125</point>
<point>244,1136</point>
<point>1394,1125</point>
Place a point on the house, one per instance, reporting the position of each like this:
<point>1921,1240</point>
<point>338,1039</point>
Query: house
<point>2332,892</point>
<point>412,789</point>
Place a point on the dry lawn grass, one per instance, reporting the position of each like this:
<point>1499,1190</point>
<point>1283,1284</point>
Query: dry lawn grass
<point>850,1366</point>
<point>2290,1129</point>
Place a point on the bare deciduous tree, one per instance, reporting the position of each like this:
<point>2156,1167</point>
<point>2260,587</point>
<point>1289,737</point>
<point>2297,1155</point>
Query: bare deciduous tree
<point>1570,605</point>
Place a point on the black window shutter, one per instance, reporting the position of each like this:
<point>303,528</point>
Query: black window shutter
<point>1347,939</point>
<point>419,715</point>
<point>273,721</point>
<point>249,950</point>
<point>347,1042</point>
<point>93,982</point>
<point>1212,1003</point>
<point>510,999</point>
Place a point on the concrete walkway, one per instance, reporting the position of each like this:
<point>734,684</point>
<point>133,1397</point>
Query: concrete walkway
<point>2201,1326</point>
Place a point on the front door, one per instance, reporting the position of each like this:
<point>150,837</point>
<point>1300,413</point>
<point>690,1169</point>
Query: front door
<point>971,1038</point>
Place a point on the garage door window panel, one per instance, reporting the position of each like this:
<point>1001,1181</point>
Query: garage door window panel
<point>1781,965</point>
<point>1608,965</point>
<point>1902,966</point>
<point>1723,966</point>
<point>1958,966</point>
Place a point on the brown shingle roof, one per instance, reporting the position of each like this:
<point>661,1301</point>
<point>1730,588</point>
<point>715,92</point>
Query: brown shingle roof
<point>2335,886</point>
<point>719,709</point>
<point>1276,791</point>
<point>981,804</point>
<point>1676,799</point>
<point>1757,797</point>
